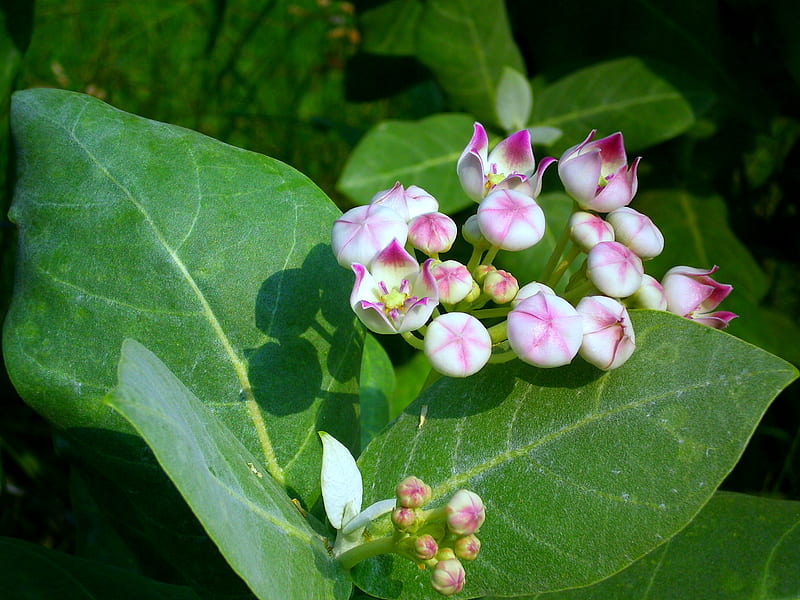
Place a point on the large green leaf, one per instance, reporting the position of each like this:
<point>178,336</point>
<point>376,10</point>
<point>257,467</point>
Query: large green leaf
<point>214,257</point>
<point>619,95</point>
<point>422,153</point>
<point>466,43</point>
<point>377,382</point>
<point>391,27</point>
<point>739,547</point>
<point>582,471</point>
<point>31,572</point>
<point>249,516</point>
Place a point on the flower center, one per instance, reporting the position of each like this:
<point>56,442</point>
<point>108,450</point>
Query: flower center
<point>396,299</point>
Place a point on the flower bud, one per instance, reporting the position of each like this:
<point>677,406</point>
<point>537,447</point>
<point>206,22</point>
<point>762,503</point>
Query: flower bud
<point>649,295</point>
<point>473,234</point>
<point>412,492</point>
<point>457,344</point>
<point>608,339</point>
<point>453,280</point>
<point>636,231</point>
<point>691,293</point>
<point>447,577</point>
<point>500,286</point>
<point>467,547</point>
<point>530,289</point>
<point>614,269</point>
<point>406,519</point>
<point>432,232</point>
<point>445,554</point>
<point>544,330</point>
<point>362,232</point>
<point>586,230</point>
<point>425,547</point>
<point>481,271</point>
<point>465,512</point>
<point>511,220</point>
<point>408,203</point>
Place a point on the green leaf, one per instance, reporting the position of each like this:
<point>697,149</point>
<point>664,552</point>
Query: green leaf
<point>582,471</point>
<point>619,95</point>
<point>391,27</point>
<point>739,547</point>
<point>514,100</point>
<point>377,383</point>
<point>422,153</point>
<point>214,257</point>
<point>246,513</point>
<point>466,43</point>
<point>32,572</point>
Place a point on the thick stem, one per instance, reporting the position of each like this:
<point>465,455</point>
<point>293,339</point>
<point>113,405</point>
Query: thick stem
<point>498,332</point>
<point>559,271</point>
<point>475,259</point>
<point>578,292</point>
<point>384,545</point>
<point>489,313</point>
<point>413,340</point>
<point>556,255</point>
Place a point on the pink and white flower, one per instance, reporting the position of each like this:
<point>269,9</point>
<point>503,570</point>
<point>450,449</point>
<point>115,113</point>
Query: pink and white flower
<point>614,269</point>
<point>596,173</point>
<point>649,295</point>
<point>465,512</point>
<point>457,344</point>
<point>608,338</point>
<point>394,295</point>
<point>511,220</point>
<point>448,576</point>
<point>407,202</point>
<point>510,165</point>
<point>691,293</point>
<point>636,231</point>
<point>432,232</point>
<point>362,232</point>
<point>545,330</point>
<point>453,280</point>
<point>586,230</point>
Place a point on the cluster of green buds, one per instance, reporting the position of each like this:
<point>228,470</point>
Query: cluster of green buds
<point>438,538</point>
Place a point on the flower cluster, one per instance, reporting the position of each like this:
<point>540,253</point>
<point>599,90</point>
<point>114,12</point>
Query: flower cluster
<point>466,315</point>
<point>437,538</point>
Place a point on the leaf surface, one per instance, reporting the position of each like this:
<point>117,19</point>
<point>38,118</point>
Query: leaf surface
<point>582,471</point>
<point>247,514</point>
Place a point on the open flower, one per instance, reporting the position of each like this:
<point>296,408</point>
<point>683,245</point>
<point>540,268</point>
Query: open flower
<point>395,295</point>
<point>596,173</point>
<point>691,293</point>
<point>510,165</point>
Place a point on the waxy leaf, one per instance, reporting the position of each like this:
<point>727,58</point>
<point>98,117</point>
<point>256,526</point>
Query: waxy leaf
<point>390,28</point>
<point>377,385</point>
<point>466,43</point>
<point>422,153</point>
<point>582,471</point>
<point>216,258</point>
<point>250,517</point>
<point>620,95</point>
<point>739,547</point>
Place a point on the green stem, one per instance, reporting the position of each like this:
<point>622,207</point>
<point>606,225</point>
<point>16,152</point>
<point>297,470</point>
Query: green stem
<point>413,340</point>
<point>556,255</point>
<point>498,332</point>
<point>384,545</point>
<point>555,277</point>
<point>578,292</point>
<point>475,259</point>
<point>487,260</point>
<point>501,357</point>
<point>489,313</point>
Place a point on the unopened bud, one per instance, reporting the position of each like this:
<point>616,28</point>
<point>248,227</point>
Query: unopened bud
<point>447,577</point>
<point>453,280</point>
<point>511,220</point>
<point>406,519</point>
<point>457,344</point>
<point>473,234</point>
<point>465,512</point>
<point>412,492</point>
<point>432,233</point>
<point>614,269</point>
<point>481,271</point>
<point>467,547</point>
<point>649,295</point>
<point>587,230</point>
<point>360,234</point>
<point>530,289</point>
<point>425,547</point>
<point>544,330</point>
<point>636,231</point>
<point>501,286</point>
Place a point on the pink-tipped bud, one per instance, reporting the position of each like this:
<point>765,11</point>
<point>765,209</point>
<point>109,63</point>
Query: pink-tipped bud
<point>691,293</point>
<point>481,271</point>
<point>608,339</point>
<point>637,232</point>
<point>501,286</point>
<point>408,203</point>
<point>511,220</point>
<point>360,234</point>
<point>412,492</point>
<point>448,576</point>
<point>545,330</point>
<point>465,512</point>
<point>471,231</point>
<point>587,230</point>
<point>432,233</point>
<point>425,547</point>
<point>453,280</point>
<point>649,295</point>
<point>614,269</point>
<point>530,289</point>
<point>467,547</point>
<point>406,519</point>
<point>457,344</point>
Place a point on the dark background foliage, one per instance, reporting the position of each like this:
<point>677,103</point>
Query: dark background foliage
<point>293,81</point>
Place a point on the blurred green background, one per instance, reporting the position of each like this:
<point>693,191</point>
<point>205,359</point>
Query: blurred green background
<point>304,81</point>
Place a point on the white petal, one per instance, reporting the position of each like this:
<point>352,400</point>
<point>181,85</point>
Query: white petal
<point>341,482</point>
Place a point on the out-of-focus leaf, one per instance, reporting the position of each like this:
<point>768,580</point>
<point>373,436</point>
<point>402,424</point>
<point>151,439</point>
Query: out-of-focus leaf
<point>619,95</point>
<point>466,43</point>
<point>377,387</point>
<point>31,572</point>
<point>422,153</point>
<point>391,27</point>
<point>244,510</point>
<point>738,548</point>
<point>586,471</point>
<point>216,258</point>
<point>514,100</point>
